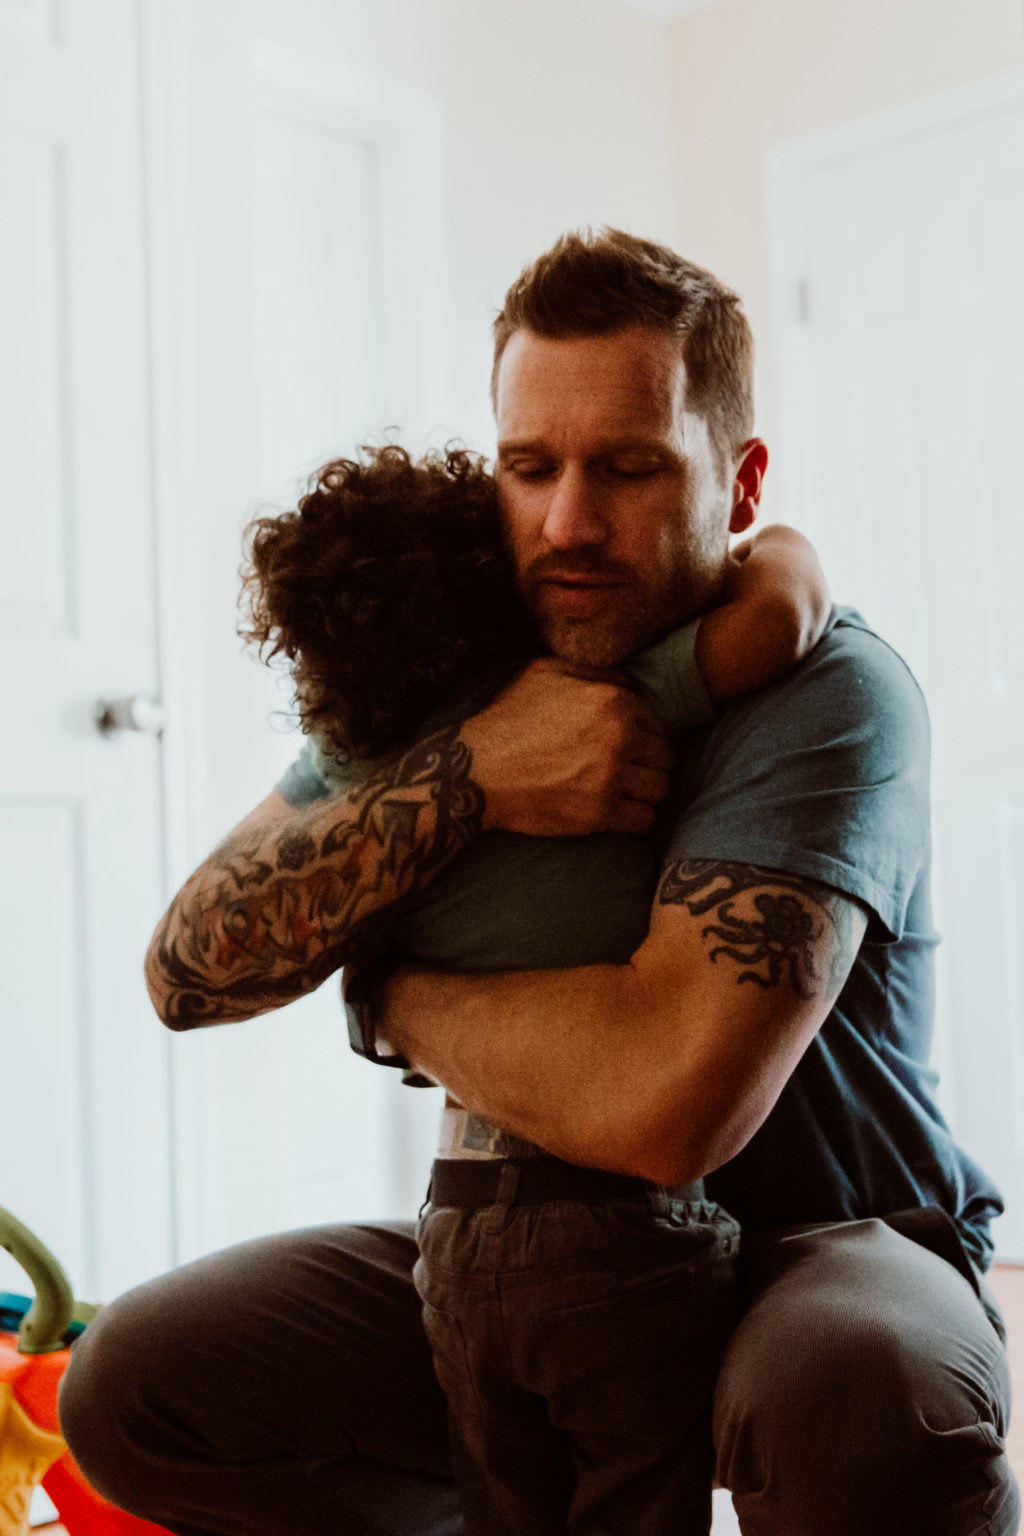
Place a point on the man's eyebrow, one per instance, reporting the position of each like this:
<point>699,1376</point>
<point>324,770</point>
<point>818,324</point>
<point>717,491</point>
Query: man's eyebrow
<point>521,445</point>
<point>625,444</point>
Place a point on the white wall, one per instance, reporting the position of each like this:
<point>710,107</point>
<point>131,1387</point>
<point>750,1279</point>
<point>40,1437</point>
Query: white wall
<point>555,114</point>
<point>750,73</point>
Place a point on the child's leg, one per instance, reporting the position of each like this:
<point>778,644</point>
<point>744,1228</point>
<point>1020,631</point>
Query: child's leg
<point>629,1367</point>
<point>579,1346</point>
<point>514,1472</point>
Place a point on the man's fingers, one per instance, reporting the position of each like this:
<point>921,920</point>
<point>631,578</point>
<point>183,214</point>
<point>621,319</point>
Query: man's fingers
<point>632,816</point>
<point>647,784</point>
<point>557,754</point>
<point>651,750</point>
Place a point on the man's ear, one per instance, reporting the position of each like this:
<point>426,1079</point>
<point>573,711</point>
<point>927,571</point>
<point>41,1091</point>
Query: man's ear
<point>746,485</point>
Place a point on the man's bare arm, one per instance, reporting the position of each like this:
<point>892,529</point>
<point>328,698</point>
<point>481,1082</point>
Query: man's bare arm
<point>293,893</point>
<point>664,1067</point>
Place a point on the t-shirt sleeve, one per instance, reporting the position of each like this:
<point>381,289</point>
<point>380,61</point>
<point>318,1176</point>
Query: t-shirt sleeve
<point>669,673</point>
<point>304,781</point>
<point>825,774</point>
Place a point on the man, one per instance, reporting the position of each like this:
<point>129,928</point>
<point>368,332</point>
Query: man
<point>770,1032</point>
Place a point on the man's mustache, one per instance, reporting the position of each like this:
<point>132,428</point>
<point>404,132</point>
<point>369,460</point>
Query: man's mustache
<point>582,567</point>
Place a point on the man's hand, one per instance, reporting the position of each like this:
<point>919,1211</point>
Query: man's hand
<point>559,752</point>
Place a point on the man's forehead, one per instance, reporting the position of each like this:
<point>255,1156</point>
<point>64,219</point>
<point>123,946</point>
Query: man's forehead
<point>627,386</point>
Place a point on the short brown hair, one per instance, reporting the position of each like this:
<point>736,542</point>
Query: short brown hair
<point>591,283</point>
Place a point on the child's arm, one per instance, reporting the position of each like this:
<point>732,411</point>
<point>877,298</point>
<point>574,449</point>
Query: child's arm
<point>776,608</point>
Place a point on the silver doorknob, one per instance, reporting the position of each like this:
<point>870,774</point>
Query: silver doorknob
<point>140,712</point>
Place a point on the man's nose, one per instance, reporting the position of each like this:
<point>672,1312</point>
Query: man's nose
<point>574,513</point>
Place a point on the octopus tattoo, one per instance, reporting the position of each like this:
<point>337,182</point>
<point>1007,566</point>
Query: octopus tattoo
<point>782,937</point>
<point>797,922</point>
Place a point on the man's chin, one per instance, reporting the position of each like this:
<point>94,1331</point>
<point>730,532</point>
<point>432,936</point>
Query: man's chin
<point>592,645</point>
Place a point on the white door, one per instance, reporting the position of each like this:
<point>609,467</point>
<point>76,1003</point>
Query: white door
<point>899,334</point>
<point>315,301</point>
<point>84,1130</point>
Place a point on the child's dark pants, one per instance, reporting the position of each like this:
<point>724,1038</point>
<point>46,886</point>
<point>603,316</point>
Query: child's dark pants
<point>578,1341</point>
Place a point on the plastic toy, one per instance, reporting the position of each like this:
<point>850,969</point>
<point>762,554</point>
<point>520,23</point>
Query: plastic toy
<point>35,1346</point>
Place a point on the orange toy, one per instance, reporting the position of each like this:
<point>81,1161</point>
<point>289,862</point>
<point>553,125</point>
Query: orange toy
<point>32,1361</point>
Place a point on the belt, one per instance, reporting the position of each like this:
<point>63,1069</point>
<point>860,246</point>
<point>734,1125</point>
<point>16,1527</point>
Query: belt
<point>470,1183</point>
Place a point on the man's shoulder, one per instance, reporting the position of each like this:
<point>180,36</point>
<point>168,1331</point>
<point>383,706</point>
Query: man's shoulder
<point>853,684</point>
<point>824,774</point>
<point>850,641</point>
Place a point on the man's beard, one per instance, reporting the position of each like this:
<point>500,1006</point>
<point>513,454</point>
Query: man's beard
<point>606,643</point>
<point>635,619</point>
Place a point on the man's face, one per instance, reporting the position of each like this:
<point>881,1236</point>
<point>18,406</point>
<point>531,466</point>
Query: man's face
<point>615,510</point>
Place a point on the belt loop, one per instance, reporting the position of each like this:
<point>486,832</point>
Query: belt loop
<point>508,1183</point>
<point>427,1197</point>
<point>661,1204</point>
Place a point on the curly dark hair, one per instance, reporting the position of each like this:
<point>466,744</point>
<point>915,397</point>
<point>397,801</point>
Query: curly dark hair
<point>387,591</point>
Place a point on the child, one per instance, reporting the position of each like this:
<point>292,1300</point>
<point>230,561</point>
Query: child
<point>543,1285</point>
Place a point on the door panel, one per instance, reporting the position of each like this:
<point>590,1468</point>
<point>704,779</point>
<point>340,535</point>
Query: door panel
<point>900,403</point>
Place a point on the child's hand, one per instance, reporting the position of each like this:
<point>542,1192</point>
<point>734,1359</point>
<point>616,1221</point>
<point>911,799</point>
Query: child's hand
<point>777,604</point>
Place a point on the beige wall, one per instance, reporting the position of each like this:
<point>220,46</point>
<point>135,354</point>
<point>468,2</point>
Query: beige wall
<point>747,74</point>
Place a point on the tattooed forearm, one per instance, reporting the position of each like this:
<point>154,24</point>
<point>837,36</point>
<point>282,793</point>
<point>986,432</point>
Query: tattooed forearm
<point>275,911</point>
<point>774,928</point>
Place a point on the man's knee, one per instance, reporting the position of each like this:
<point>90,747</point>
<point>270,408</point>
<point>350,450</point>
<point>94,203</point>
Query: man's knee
<point>802,1382</point>
<point>864,1378</point>
<point>100,1399</point>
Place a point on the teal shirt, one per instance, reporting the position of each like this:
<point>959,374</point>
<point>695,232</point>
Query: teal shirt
<point>515,902</point>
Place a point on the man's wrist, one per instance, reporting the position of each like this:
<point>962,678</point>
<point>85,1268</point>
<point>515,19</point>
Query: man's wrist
<point>395,1017</point>
<point>474,736</point>
<point>363,991</point>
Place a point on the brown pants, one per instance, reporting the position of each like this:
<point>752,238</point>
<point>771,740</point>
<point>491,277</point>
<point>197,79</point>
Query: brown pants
<point>286,1386</point>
